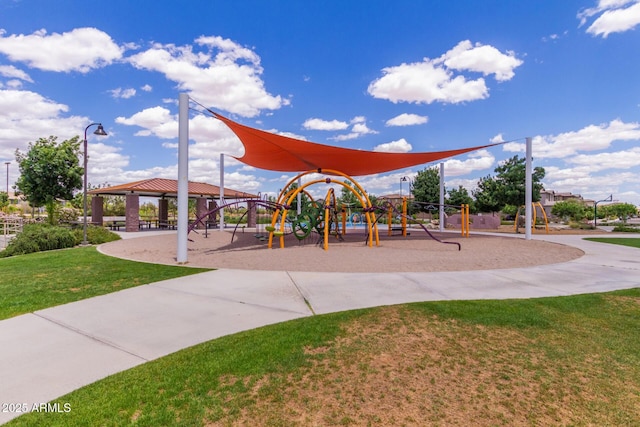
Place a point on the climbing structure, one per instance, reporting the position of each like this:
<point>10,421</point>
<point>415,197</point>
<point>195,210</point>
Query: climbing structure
<point>318,215</point>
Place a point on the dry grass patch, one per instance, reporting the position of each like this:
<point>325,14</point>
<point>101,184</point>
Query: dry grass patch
<point>399,367</point>
<point>567,361</point>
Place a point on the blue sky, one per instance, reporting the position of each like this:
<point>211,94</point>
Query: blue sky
<point>373,75</point>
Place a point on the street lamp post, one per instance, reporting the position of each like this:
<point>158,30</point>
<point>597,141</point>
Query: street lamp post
<point>403,179</point>
<point>7,163</point>
<point>595,209</point>
<point>98,131</point>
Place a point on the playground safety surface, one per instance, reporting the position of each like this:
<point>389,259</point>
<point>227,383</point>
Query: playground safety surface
<point>416,252</point>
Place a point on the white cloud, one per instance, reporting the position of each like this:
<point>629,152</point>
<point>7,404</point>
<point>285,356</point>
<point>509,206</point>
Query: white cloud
<point>104,162</point>
<point>155,121</point>
<point>469,184</point>
<point>345,137</point>
<point>476,161</point>
<point>625,159</point>
<point>14,84</point>
<point>399,146</point>
<point>123,93</point>
<point>406,119</point>
<point>616,16</point>
<point>589,138</point>
<point>27,116</point>
<point>359,128</point>
<point>496,139</point>
<point>81,49</point>
<point>591,186</point>
<point>380,185</point>
<point>362,129</point>
<point>319,124</point>
<point>434,80</point>
<point>225,75</point>
<point>425,83</point>
<point>146,88</point>
<point>211,136</point>
<point>480,58</point>
<point>13,72</point>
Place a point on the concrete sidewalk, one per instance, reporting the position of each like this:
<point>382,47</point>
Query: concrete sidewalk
<point>46,354</point>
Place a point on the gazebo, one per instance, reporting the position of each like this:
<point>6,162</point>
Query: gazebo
<point>163,189</point>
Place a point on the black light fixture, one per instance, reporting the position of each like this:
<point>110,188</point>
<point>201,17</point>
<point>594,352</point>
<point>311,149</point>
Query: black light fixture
<point>403,179</point>
<point>99,131</point>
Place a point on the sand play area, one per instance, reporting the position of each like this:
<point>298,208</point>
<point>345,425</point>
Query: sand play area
<point>414,253</point>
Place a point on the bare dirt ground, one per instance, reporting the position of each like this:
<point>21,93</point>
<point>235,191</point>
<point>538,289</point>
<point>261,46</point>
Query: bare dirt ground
<point>416,252</point>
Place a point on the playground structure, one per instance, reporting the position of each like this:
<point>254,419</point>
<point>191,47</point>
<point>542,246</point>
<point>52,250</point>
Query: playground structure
<point>534,208</point>
<point>465,217</point>
<point>316,215</point>
<point>270,151</point>
<point>296,212</point>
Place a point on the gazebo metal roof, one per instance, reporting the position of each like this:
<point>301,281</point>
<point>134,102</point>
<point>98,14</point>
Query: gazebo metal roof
<point>161,187</point>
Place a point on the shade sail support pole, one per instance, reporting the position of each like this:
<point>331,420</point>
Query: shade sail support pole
<point>183,177</point>
<point>528,198</point>
<point>441,208</point>
<point>221,192</point>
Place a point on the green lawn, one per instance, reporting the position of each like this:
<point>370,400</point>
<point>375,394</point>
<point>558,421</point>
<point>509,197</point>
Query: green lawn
<point>549,361</point>
<point>45,279</point>
<point>633,242</point>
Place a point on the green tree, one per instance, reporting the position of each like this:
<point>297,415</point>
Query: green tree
<point>426,188</point>
<point>149,210</point>
<point>348,198</point>
<point>4,200</point>
<point>114,205</point>
<point>569,209</point>
<point>459,196</point>
<point>509,210</point>
<point>621,210</point>
<point>49,171</point>
<point>511,179</point>
<point>487,195</point>
<point>78,199</point>
<point>508,186</point>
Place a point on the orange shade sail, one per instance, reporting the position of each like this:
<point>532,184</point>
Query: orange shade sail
<point>265,150</point>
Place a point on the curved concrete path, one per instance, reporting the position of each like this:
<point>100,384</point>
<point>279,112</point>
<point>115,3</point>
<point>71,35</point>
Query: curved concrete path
<point>48,353</point>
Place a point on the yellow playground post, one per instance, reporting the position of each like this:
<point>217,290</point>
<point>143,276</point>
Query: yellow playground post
<point>535,206</point>
<point>464,220</point>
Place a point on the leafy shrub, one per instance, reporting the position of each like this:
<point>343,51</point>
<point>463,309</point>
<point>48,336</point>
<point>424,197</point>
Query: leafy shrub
<point>626,229</point>
<point>95,235</point>
<point>19,247</point>
<point>580,226</point>
<point>67,215</point>
<point>45,237</point>
<point>39,237</point>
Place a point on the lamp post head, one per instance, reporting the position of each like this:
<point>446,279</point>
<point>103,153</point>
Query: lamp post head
<point>100,131</point>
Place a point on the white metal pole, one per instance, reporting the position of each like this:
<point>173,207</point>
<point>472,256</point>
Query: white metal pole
<point>528,190</point>
<point>441,210</point>
<point>183,176</point>
<point>221,191</point>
